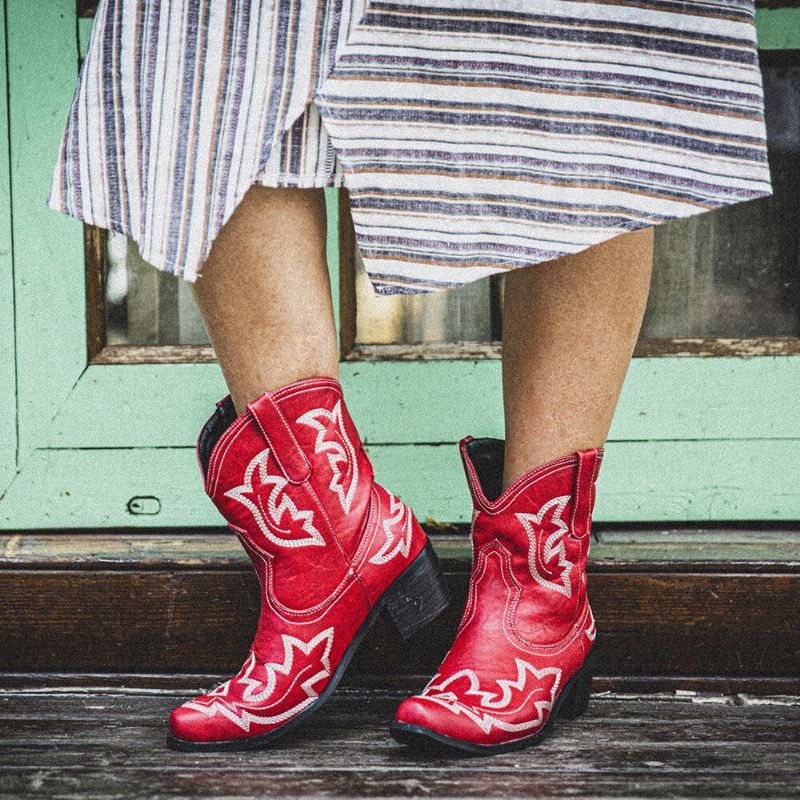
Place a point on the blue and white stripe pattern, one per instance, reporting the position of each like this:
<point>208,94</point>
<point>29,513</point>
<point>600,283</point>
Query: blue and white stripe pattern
<point>473,136</point>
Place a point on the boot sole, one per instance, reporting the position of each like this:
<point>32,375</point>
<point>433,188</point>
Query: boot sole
<point>570,704</point>
<point>416,597</point>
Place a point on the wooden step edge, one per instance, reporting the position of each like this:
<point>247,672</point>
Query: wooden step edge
<point>698,688</point>
<point>186,550</point>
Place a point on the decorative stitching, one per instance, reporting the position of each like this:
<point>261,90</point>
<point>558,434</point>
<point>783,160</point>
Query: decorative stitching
<point>593,492</point>
<point>243,717</point>
<point>214,457</point>
<point>525,482</point>
<point>577,500</point>
<point>337,452</point>
<point>516,488</point>
<point>510,613</point>
<point>275,508</point>
<point>498,702</point>
<point>550,548</point>
<point>511,616</point>
<point>591,631</point>
<point>477,576</point>
<point>365,542</point>
<point>399,510</point>
<point>305,385</point>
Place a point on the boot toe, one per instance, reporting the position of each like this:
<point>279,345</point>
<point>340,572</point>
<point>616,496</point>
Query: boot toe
<point>423,713</point>
<point>191,725</point>
<point>414,711</point>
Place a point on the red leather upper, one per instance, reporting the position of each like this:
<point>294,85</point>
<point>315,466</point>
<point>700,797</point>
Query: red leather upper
<point>292,479</point>
<point>527,625</point>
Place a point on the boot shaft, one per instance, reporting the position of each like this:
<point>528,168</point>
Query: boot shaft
<point>535,534</point>
<point>291,477</point>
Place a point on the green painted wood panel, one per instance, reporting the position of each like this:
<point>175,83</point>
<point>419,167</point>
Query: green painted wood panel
<point>332,248</point>
<point>638,482</point>
<point>8,374</point>
<point>693,439</point>
<point>778,28</point>
<point>49,277</point>
<point>681,397</point>
<point>85,25</point>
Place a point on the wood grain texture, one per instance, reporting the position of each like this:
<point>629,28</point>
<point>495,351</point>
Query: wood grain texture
<point>95,239</point>
<point>707,688</point>
<point>721,549</point>
<point>103,746</point>
<point>653,347</point>
<point>201,619</point>
<point>347,268</point>
<point>463,351</point>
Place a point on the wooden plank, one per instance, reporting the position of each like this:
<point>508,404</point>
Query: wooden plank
<point>95,291</point>
<point>48,246</point>
<point>743,550</point>
<point>651,623</point>
<point>324,736</point>
<point>347,276</point>
<point>706,689</point>
<point>651,347</point>
<point>367,705</point>
<point>685,724</point>
<point>461,351</point>
<point>640,482</point>
<point>662,398</point>
<point>8,370</point>
<point>390,781</point>
<point>62,745</point>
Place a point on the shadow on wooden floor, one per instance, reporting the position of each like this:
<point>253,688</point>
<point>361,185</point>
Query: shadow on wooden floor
<point>81,743</point>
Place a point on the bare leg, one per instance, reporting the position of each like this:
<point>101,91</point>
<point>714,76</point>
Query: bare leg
<point>569,330</point>
<point>264,293</point>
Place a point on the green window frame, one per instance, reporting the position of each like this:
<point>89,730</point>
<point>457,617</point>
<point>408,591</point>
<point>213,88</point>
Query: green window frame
<point>696,437</point>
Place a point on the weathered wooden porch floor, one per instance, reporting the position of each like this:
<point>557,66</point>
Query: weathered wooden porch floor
<point>90,743</point>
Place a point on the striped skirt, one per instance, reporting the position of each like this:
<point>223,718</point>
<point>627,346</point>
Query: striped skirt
<point>473,137</point>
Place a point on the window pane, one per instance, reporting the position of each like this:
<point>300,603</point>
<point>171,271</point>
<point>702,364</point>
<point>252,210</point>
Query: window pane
<point>736,272</point>
<point>455,315</point>
<point>143,305</point>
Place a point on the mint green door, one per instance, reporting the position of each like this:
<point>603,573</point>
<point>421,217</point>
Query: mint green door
<point>90,445</point>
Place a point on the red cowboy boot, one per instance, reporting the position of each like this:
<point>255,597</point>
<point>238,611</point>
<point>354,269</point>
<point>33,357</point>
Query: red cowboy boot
<point>520,655</point>
<point>331,547</point>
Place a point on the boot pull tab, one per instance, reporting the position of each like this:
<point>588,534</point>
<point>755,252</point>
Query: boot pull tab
<point>584,491</point>
<point>278,435</point>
